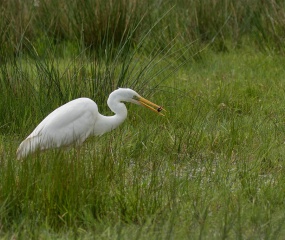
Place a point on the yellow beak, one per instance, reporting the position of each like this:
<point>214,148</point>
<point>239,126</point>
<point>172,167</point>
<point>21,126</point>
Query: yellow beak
<point>150,105</point>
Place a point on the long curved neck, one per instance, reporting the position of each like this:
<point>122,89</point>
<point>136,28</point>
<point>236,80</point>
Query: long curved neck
<point>108,123</point>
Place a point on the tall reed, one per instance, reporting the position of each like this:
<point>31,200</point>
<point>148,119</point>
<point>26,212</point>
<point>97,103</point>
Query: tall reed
<point>99,24</point>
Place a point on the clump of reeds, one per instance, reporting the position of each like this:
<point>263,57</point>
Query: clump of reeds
<point>98,24</point>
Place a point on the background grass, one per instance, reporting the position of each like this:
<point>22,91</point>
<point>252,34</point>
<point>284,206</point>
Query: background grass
<point>211,169</point>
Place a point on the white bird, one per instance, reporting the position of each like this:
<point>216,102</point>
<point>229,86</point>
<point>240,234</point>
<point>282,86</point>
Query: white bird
<point>73,122</point>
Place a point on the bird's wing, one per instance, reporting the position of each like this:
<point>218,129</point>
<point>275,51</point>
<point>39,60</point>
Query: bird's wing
<point>70,123</point>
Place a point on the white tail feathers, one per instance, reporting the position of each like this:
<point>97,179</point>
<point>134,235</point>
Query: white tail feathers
<point>29,145</point>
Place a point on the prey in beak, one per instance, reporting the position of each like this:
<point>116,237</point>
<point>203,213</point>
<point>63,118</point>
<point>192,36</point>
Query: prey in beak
<point>150,105</point>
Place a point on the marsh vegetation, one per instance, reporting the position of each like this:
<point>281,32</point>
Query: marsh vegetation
<point>212,168</point>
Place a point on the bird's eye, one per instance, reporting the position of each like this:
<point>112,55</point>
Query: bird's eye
<point>159,109</point>
<point>135,97</point>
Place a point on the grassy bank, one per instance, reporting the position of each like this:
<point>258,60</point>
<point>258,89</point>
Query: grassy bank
<point>212,168</point>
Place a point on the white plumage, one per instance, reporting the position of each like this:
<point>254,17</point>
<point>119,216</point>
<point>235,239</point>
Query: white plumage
<point>73,122</point>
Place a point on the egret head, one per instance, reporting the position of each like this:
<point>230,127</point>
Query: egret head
<point>129,95</point>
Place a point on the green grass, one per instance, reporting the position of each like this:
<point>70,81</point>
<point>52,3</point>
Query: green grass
<point>101,25</point>
<point>212,168</point>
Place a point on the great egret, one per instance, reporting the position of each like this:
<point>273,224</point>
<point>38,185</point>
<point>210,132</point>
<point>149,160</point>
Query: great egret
<point>73,122</point>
